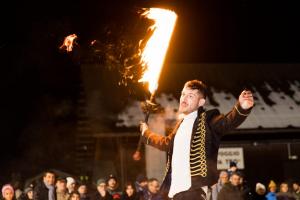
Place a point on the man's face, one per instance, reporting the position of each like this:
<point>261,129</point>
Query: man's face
<point>190,100</point>
<point>71,187</point>
<point>144,184</point>
<point>101,187</point>
<point>295,187</point>
<point>112,183</point>
<point>235,180</point>
<point>284,188</point>
<point>49,178</point>
<point>61,185</point>
<point>153,187</point>
<point>8,194</point>
<point>224,178</point>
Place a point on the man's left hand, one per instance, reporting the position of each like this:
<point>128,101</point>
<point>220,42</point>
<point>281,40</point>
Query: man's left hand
<point>246,99</point>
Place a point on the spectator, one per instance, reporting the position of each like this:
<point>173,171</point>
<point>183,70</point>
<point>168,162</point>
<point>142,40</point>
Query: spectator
<point>74,196</point>
<point>272,191</point>
<point>45,190</point>
<point>284,193</point>
<point>7,192</point>
<point>296,190</point>
<point>141,183</point>
<point>83,192</point>
<point>102,193</point>
<point>223,178</point>
<point>112,187</point>
<point>152,192</point>
<point>244,187</point>
<point>260,192</point>
<point>61,189</point>
<point>129,192</point>
<point>231,190</point>
<point>232,168</point>
<point>27,194</point>
<point>71,184</point>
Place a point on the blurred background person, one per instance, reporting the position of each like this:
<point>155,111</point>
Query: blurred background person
<point>45,189</point>
<point>272,191</point>
<point>232,168</point>
<point>141,183</point>
<point>284,193</point>
<point>7,192</point>
<point>113,187</point>
<point>102,193</point>
<point>27,194</point>
<point>74,196</point>
<point>61,189</point>
<point>83,192</point>
<point>215,189</point>
<point>231,190</point>
<point>152,192</point>
<point>296,189</point>
<point>71,184</point>
<point>260,192</point>
<point>129,192</point>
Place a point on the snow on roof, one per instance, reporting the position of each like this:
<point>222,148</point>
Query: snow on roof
<point>284,113</point>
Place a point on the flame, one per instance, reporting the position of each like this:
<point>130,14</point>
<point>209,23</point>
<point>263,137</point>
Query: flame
<point>68,42</point>
<point>154,53</point>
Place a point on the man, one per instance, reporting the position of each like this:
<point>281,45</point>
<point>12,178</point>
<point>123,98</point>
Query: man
<point>284,193</point>
<point>152,191</point>
<point>232,168</point>
<point>102,193</point>
<point>193,145</point>
<point>296,189</point>
<point>141,183</point>
<point>215,189</point>
<point>45,189</point>
<point>231,190</point>
<point>61,189</point>
<point>112,187</point>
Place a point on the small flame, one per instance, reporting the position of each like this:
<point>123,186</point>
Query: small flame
<point>68,42</point>
<point>154,53</point>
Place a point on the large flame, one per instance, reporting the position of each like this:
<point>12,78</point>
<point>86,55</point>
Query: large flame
<point>154,53</point>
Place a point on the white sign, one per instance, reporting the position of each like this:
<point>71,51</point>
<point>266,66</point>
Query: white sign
<point>226,155</point>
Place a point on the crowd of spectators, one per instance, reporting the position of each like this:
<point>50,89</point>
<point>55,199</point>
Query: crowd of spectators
<point>231,186</point>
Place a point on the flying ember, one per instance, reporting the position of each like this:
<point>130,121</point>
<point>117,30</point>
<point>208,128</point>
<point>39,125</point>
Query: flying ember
<point>68,42</point>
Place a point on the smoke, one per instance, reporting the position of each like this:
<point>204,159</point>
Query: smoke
<point>133,113</point>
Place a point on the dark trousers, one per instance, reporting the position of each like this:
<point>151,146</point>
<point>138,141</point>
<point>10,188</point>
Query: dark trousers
<point>198,194</point>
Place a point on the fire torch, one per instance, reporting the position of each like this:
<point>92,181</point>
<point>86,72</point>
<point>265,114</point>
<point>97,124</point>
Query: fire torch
<point>153,56</point>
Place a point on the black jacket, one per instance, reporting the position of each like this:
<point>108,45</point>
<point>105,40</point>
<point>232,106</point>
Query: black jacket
<point>209,126</point>
<point>41,192</point>
<point>230,192</point>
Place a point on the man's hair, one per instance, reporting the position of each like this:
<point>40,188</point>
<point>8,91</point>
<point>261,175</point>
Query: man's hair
<point>235,174</point>
<point>152,179</point>
<point>48,171</point>
<point>197,85</point>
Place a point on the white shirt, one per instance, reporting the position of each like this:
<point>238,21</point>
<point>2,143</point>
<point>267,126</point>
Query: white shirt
<point>181,174</point>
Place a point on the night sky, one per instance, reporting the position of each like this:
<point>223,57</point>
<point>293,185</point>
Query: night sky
<point>36,75</point>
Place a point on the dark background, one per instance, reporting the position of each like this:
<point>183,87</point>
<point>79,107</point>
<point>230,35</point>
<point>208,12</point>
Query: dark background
<point>40,84</point>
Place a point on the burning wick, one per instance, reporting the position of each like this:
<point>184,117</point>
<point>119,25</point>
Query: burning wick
<point>68,42</point>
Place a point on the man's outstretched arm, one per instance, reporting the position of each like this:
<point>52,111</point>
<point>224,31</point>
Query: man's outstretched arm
<point>223,123</point>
